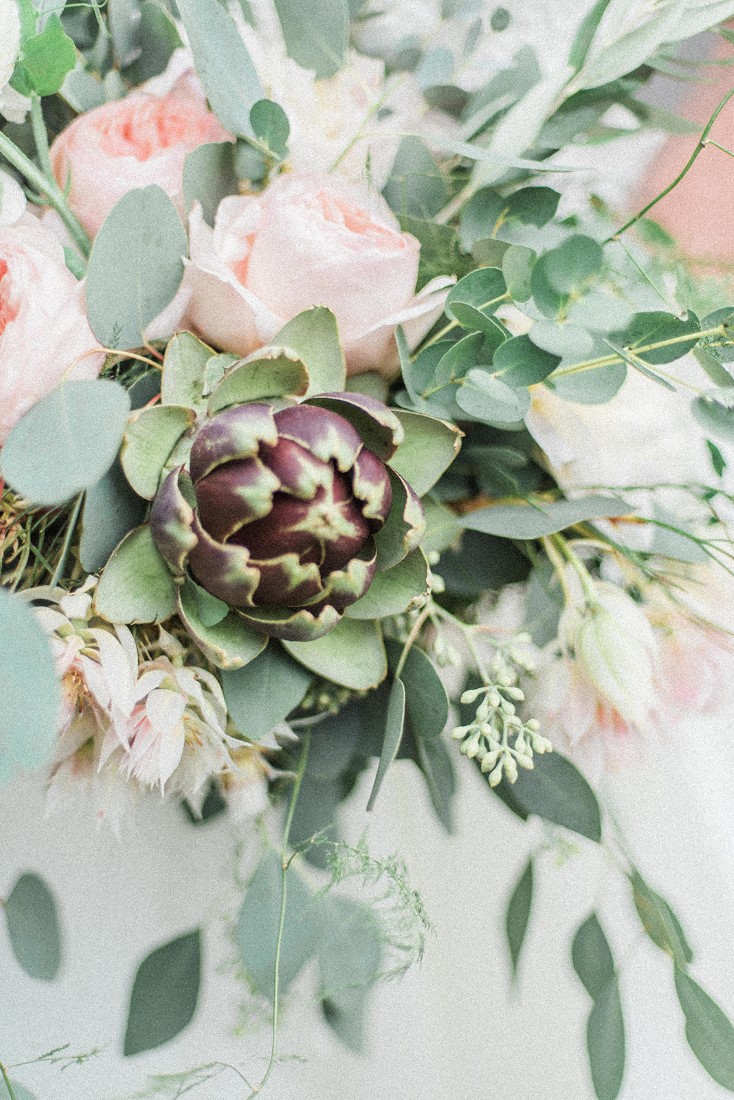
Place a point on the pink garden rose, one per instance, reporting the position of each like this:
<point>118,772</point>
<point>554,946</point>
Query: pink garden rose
<point>44,333</point>
<point>309,240</point>
<point>132,142</point>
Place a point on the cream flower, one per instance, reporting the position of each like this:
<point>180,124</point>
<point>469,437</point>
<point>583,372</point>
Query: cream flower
<point>13,106</point>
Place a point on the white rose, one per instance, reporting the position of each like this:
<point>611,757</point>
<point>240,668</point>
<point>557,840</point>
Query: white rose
<point>13,106</point>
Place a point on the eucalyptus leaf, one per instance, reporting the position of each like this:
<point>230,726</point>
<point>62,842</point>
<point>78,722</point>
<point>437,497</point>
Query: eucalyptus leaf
<point>136,266</point>
<point>46,58</point>
<point>352,655</point>
<point>592,957</point>
<point>521,362</point>
<point>709,1033</point>
<point>714,411</point>
<point>19,1091</point>
<point>517,916</point>
<point>271,127</point>
<point>136,585</point>
<point>605,1042</point>
<point>33,927</point>
<point>427,704</point>
<point>349,953</point>
<point>517,267</point>
<point>164,995</point>
<point>394,727</point>
<point>556,791</point>
<point>257,927</point>
<point>436,762</point>
<point>27,671</point>
<point>488,398</point>
<point>531,521</point>
<point>265,691</point>
<point>111,510</point>
<point>65,442</point>
<point>229,77</point>
<point>590,387</point>
<point>317,35</point>
<point>209,176</point>
<point>659,921</point>
<point>571,267</point>
<point>415,185</point>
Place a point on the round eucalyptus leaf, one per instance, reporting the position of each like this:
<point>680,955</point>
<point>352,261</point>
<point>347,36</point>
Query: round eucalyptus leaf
<point>66,442</point>
<point>136,585</point>
<point>33,927</point>
<point>352,654</point>
<point>164,994</point>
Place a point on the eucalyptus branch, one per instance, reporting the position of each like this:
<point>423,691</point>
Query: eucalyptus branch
<point>40,136</point>
<point>45,186</point>
<point>285,862</point>
<point>703,141</point>
<point>609,360</point>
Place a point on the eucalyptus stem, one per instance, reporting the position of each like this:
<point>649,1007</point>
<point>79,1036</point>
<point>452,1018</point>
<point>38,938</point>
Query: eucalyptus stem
<point>577,565</point>
<point>40,136</point>
<point>410,641</point>
<point>608,360</point>
<point>285,861</point>
<point>559,568</point>
<point>701,145</point>
<point>6,1080</point>
<point>45,186</point>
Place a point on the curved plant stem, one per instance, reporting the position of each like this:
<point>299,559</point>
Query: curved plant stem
<point>47,187</point>
<point>702,143</point>
<point>285,862</point>
<point>6,1080</point>
<point>40,136</point>
<point>73,518</point>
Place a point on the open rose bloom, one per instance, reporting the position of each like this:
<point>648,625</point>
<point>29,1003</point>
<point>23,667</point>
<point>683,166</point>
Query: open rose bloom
<point>309,240</point>
<point>132,142</point>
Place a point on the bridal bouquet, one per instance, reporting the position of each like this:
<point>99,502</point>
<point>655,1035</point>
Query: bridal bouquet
<point>331,433</point>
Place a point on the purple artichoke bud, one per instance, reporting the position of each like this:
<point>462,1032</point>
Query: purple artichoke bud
<point>278,512</point>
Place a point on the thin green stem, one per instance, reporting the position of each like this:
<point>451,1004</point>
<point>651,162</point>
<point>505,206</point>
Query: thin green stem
<point>47,187</point>
<point>8,1086</point>
<point>455,324</point>
<point>73,518</point>
<point>578,567</point>
<point>559,568</point>
<point>285,861</point>
<point>410,641</point>
<point>608,360</point>
<point>701,145</point>
<point>40,136</point>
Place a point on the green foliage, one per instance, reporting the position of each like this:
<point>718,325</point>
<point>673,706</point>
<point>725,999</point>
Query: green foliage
<point>267,373</point>
<point>136,266</point>
<point>317,36</point>
<point>395,590</point>
<point>659,921</point>
<point>225,639</point>
<point>709,1033</point>
<point>136,585</point>
<point>429,448</point>
<point>66,442</point>
<point>209,176</point>
<point>33,927</point>
<point>271,127</point>
<point>352,654</point>
<point>605,1040</point>
<point>536,520</point>
<point>27,671</point>
<point>314,337</point>
<point>150,437</point>
<point>45,59</point>
<point>264,692</point>
<point>714,411</point>
<point>350,953</point>
<point>111,510</point>
<point>229,77</point>
<point>184,372</point>
<point>258,921</point>
<point>517,915</point>
<point>164,994</point>
<point>394,726</point>
<point>416,186</point>
<point>556,791</point>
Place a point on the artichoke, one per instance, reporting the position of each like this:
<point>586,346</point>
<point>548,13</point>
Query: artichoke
<point>285,514</point>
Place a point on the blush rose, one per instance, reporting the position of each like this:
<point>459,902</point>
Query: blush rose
<point>309,240</point>
<point>44,333</point>
<point>132,142</point>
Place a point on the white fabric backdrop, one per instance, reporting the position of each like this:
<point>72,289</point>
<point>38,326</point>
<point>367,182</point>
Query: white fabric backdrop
<point>451,1028</point>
